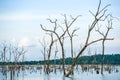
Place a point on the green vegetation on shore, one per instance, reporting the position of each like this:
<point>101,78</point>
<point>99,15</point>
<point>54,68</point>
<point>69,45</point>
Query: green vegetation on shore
<point>93,59</point>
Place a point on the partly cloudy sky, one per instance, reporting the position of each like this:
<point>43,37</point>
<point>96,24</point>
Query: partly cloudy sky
<point>20,22</point>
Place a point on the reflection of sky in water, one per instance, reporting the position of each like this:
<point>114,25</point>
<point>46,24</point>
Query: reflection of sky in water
<point>33,74</point>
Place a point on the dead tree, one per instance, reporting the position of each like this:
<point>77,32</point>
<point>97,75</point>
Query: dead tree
<point>61,36</point>
<point>104,35</point>
<point>43,51</point>
<point>4,51</point>
<point>18,52</point>
<point>71,35</point>
<point>10,52</point>
<point>49,53</point>
<point>56,51</point>
<point>98,16</point>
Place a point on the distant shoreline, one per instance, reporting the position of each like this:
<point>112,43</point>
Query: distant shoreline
<point>113,59</point>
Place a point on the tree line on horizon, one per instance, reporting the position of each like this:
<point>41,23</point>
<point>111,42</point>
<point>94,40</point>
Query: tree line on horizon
<point>113,59</point>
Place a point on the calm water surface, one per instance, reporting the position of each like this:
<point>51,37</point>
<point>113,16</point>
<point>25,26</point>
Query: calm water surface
<point>34,72</point>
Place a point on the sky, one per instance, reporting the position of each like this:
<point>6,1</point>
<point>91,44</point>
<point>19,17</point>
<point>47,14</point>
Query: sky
<point>20,22</point>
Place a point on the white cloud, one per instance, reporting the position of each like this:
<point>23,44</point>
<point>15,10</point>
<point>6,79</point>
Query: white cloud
<point>24,42</point>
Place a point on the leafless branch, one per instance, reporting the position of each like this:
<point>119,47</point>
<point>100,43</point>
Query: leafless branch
<point>100,40</point>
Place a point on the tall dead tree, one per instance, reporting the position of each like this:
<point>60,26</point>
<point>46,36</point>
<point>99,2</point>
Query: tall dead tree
<point>49,53</point>
<point>10,52</point>
<point>61,36</point>
<point>3,53</point>
<point>43,51</point>
<point>104,35</point>
<point>71,35</point>
<point>56,51</point>
<point>98,16</point>
<point>18,52</point>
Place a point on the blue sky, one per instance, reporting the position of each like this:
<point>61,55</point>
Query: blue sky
<point>20,21</point>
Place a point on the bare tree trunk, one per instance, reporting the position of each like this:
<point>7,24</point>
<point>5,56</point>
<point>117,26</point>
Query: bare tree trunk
<point>72,48</point>
<point>74,63</point>
<point>49,53</point>
<point>109,27</point>
<point>72,53</point>
<point>44,62</point>
<point>44,45</point>
<point>44,54</point>
<point>56,51</point>
<point>102,56</point>
<point>63,60</point>
<point>55,62</point>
